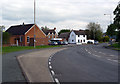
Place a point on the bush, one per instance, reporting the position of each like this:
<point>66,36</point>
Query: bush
<point>105,39</point>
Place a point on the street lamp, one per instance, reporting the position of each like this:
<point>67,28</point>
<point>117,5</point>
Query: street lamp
<point>34,24</point>
<point>1,31</point>
<point>110,17</point>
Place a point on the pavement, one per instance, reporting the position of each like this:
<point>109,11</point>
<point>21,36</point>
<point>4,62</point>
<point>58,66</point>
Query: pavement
<point>86,63</point>
<point>35,65</point>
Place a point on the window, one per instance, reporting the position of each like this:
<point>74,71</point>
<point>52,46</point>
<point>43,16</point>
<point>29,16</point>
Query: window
<point>83,35</point>
<point>21,38</point>
<point>49,36</point>
<point>28,39</point>
<point>78,41</point>
<point>84,40</point>
<point>78,35</point>
<point>72,40</point>
<point>52,36</point>
<point>81,41</point>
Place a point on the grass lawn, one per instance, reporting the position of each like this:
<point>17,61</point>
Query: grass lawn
<point>116,46</point>
<point>20,48</point>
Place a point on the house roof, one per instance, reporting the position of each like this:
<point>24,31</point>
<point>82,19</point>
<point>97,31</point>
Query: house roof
<point>19,29</point>
<point>49,31</point>
<point>80,32</point>
<point>64,35</point>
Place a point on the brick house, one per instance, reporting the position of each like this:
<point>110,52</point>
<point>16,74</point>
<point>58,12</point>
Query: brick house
<point>23,35</point>
<point>64,36</point>
<point>50,33</point>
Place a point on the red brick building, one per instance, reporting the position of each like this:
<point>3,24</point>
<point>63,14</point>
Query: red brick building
<point>23,35</point>
<point>50,33</point>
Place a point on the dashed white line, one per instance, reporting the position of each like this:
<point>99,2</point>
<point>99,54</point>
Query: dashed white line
<point>49,59</point>
<point>85,49</point>
<point>53,73</point>
<point>89,52</point>
<point>115,60</point>
<point>57,81</point>
<point>96,55</point>
<point>49,63</point>
<point>50,67</point>
<point>108,59</point>
<point>112,55</point>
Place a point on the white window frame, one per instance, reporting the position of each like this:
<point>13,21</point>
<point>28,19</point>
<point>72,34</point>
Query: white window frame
<point>21,39</point>
<point>27,39</point>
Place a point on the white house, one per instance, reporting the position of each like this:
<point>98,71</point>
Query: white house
<point>77,37</point>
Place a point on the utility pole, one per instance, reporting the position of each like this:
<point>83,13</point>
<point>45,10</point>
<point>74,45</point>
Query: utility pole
<point>34,24</point>
<point>1,32</point>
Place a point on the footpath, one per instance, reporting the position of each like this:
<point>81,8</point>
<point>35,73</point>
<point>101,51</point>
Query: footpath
<point>35,65</point>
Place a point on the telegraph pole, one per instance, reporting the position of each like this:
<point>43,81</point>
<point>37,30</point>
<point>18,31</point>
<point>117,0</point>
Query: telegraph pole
<point>34,24</point>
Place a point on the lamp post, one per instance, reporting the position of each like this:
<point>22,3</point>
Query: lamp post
<point>1,31</point>
<point>110,17</point>
<point>34,24</point>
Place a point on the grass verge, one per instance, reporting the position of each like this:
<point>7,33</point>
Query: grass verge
<point>20,48</point>
<point>116,46</point>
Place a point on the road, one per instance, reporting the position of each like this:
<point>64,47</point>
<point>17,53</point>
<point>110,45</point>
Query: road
<point>85,63</point>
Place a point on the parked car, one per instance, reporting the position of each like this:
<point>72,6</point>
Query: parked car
<point>65,43</point>
<point>96,42</point>
<point>53,43</point>
<point>60,43</point>
<point>89,42</point>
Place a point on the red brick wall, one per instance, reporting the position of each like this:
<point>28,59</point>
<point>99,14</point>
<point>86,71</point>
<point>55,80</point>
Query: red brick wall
<point>38,34</point>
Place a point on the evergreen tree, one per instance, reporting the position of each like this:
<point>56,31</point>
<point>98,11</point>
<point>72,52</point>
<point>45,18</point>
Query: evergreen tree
<point>117,20</point>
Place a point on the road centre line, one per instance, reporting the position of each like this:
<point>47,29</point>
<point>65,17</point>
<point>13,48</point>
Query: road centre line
<point>115,60</point>
<point>89,52</point>
<point>96,55</point>
<point>112,55</point>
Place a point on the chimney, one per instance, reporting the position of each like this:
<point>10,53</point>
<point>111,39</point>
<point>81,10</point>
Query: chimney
<point>55,28</point>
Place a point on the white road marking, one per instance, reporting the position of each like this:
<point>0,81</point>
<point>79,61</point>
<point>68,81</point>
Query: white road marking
<point>50,67</point>
<point>112,55</point>
<point>89,52</point>
<point>57,81</point>
<point>115,60</point>
<point>49,63</point>
<point>53,73</point>
<point>108,59</point>
<point>49,59</point>
<point>85,49</point>
<point>96,55</point>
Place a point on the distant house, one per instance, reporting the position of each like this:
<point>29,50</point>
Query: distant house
<point>23,35</point>
<point>50,33</point>
<point>64,36</point>
<point>77,37</point>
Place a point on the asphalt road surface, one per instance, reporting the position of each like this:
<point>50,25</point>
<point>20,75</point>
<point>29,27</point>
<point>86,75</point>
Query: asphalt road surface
<point>86,63</point>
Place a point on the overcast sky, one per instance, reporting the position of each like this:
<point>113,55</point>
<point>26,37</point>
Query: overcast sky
<point>62,14</point>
